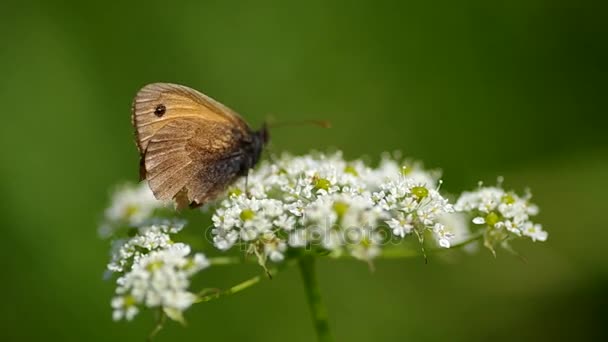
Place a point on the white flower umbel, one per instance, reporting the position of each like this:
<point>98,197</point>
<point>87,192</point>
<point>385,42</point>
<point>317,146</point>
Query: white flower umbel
<point>323,201</point>
<point>504,214</point>
<point>131,205</point>
<point>147,239</point>
<point>296,209</point>
<point>414,207</point>
<point>154,271</point>
<point>158,279</point>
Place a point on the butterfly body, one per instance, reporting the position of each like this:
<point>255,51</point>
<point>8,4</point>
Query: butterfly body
<point>191,146</point>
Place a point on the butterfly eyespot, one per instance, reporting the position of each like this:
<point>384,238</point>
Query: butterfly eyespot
<point>160,110</point>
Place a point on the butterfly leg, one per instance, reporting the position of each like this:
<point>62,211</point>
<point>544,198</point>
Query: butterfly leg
<point>247,183</point>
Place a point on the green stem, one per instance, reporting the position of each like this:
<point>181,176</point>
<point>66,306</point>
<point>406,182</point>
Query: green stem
<point>160,322</point>
<point>232,290</point>
<point>225,260</point>
<point>313,295</point>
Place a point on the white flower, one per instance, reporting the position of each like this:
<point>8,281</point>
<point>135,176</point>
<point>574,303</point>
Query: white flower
<point>158,279</point>
<point>224,239</point>
<point>367,246</point>
<point>124,307</point>
<point>285,222</point>
<point>131,205</point>
<point>456,224</point>
<point>148,238</point>
<point>391,167</point>
<point>274,248</point>
<point>535,232</point>
<point>413,205</point>
<point>442,235</point>
<point>502,210</point>
<point>402,225</point>
<point>479,220</point>
<point>319,200</point>
<point>155,271</point>
<point>298,238</point>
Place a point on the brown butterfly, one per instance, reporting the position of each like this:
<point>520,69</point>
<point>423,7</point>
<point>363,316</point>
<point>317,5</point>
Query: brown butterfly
<point>191,146</point>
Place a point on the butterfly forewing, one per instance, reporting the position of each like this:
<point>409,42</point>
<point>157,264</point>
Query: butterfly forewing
<point>157,103</point>
<point>187,141</point>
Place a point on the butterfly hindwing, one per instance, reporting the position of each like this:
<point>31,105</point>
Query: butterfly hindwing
<point>187,156</point>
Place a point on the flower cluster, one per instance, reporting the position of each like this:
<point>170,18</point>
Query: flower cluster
<point>323,201</point>
<point>154,271</point>
<point>147,238</point>
<point>318,202</point>
<point>504,214</point>
<point>130,207</point>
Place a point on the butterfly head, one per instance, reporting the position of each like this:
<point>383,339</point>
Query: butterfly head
<point>260,139</point>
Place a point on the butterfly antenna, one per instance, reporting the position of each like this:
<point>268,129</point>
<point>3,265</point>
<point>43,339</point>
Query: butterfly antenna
<point>318,123</point>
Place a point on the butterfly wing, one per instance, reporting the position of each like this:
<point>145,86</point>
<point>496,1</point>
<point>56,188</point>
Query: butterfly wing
<point>178,101</point>
<point>192,148</point>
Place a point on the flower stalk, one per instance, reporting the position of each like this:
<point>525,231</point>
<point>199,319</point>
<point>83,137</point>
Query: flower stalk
<point>205,296</point>
<point>158,326</point>
<point>313,295</point>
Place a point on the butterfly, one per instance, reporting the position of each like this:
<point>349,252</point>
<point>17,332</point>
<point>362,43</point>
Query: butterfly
<point>191,146</point>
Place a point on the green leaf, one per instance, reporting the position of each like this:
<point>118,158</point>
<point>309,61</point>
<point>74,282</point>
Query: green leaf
<point>175,315</point>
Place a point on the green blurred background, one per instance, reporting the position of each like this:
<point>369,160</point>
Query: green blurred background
<point>478,88</point>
